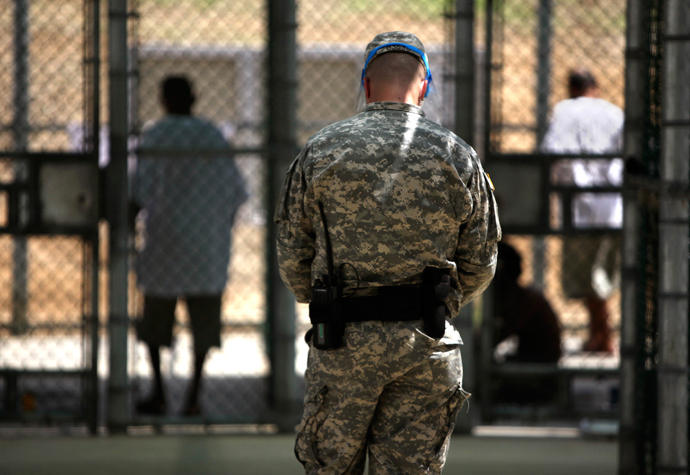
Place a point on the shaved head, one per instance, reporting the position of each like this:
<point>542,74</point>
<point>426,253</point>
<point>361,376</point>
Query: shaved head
<point>396,69</point>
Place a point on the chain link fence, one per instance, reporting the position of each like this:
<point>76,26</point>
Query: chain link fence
<point>51,276</point>
<point>182,190</point>
<point>542,156</point>
<point>219,47</point>
<point>48,210</point>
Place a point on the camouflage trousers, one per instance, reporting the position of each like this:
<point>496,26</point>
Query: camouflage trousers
<point>389,391</point>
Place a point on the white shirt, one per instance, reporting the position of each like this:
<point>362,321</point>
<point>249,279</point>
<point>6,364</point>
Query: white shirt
<point>190,201</point>
<point>590,126</point>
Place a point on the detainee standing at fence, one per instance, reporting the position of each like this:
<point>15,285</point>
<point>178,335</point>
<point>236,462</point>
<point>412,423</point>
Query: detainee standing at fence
<point>589,125</point>
<point>189,188</point>
<point>387,225</point>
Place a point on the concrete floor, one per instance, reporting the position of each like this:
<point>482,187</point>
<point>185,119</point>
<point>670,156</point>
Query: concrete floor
<point>272,455</point>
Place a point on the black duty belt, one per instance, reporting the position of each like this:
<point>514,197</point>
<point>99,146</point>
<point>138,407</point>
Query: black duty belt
<point>391,304</point>
<point>329,309</point>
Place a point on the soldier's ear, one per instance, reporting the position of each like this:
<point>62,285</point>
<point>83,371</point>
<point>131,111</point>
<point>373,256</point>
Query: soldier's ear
<point>422,91</point>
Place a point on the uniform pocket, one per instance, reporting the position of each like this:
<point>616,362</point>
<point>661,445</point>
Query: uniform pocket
<point>446,426</point>
<point>455,403</point>
<point>459,399</point>
<point>451,337</point>
<point>312,418</point>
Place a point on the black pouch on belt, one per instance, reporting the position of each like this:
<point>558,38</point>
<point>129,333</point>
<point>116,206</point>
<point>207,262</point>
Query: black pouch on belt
<point>326,315</point>
<point>435,289</point>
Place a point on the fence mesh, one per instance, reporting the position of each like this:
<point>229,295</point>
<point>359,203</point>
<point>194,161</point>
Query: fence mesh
<point>535,44</point>
<point>47,57</point>
<point>568,240</point>
<point>219,46</point>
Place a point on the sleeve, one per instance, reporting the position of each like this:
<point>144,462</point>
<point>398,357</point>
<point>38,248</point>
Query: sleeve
<point>295,236</point>
<point>475,256</point>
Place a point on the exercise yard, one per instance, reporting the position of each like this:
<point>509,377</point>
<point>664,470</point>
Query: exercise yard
<point>528,454</point>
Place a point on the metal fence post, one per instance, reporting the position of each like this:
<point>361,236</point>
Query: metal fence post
<point>21,129</point>
<point>464,127</point>
<point>543,67</point>
<point>282,127</point>
<point>634,115</point>
<point>545,33</point>
<point>94,75</point>
<point>672,456</point>
<point>116,211</point>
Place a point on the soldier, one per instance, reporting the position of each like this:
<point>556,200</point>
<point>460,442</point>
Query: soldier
<point>386,225</point>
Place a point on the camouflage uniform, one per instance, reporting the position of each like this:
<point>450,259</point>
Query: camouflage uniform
<point>400,193</point>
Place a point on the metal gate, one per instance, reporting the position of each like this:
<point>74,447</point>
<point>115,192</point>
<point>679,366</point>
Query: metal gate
<point>531,47</point>
<point>222,48</point>
<point>49,210</point>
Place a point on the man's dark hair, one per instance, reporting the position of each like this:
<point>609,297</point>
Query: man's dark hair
<point>580,81</point>
<point>177,94</point>
<point>509,266</point>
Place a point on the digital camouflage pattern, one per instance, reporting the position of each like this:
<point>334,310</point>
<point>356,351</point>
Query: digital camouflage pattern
<point>400,193</point>
<point>389,390</point>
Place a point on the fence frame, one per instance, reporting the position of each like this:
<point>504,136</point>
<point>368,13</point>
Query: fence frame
<point>540,226</point>
<point>27,217</point>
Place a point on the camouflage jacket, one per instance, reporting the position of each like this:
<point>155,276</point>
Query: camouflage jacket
<point>400,193</point>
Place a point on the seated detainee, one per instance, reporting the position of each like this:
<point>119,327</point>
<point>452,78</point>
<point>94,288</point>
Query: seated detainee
<point>524,312</point>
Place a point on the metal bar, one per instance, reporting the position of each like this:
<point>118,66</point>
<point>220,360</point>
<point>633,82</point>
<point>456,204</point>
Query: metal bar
<point>95,66</point>
<point>282,133</point>
<point>488,59</point>
<point>675,123</point>
<point>486,356</point>
<point>41,157</point>
<point>464,70</point>
<point>539,156</point>
<point>464,127</point>
<point>58,373</point>
<point>671,188</point>
<point>116,213</point>
<point>488,307</point>
<point>21,129</point>
<point>545,33</point>
<point>672,443</point>
<point>633,138</point>
<point>678,37</point>
<point>168,154</point>
<point>38,127</point>
<point>20,124</point>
